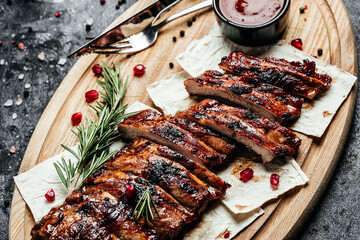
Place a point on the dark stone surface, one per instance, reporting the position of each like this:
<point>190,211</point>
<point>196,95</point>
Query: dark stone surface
<point>337,216</point>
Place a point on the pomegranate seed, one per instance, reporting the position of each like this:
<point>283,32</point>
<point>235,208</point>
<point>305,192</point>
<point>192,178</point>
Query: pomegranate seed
<point>13,41</point>
<point>227,234</point>
<point>76,118</point>
<point>306,7</point>
<point>91,96</point>
<point>50,195</point>
<point>57,14</point>
<point>21,46</point>
<point>297,43</point>
<point>0,43</point>
<point>246,175</point>
<point>139,70</point>
<point>130,190</point>
<point>274,181</point>
<point>102,2</point>
<point>97,70</point>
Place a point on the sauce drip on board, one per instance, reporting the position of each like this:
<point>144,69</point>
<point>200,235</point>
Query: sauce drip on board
<point>250,12</point>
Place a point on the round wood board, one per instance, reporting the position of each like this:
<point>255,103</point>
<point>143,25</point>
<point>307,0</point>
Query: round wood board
<point>325,24</point>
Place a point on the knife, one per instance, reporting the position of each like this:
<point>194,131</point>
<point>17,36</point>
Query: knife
<point>135,24</point>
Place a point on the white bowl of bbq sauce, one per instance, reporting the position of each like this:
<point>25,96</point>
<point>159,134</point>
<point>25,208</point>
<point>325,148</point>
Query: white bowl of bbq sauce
<point>252,22</point>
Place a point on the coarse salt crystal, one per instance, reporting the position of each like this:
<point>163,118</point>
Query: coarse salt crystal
<point>8,103</point>
<point>62,61</point>
<point>14,116</point>
<point>27,85</point>
<point>12,149</point>
<point>21,76</point>
<point>90,21</point>
<point>19,101</point>
<point>41,56</point>
<point>2,61</point>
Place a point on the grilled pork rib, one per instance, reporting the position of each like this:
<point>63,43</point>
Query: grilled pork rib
<point>190,191</point>
<point>171,135</point>
<point>268,139</point>
<point>101,210</point>
<point>217,187</point>
<point>267,100</point>
<point>295,77</point>
<point>219,143</point>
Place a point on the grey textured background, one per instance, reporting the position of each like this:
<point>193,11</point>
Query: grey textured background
<point>337,216</point>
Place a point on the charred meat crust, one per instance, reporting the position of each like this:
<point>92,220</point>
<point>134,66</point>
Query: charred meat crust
<point>294,77</point>
<point>217,186</point>
<point>178,139</point>
<point>267,100</point>
<point>267,138</point>
<point>101,210</point>
<point>218,142</point>
<point>190,191</point>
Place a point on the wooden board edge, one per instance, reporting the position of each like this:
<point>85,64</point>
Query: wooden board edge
<point>306,214</point>
<point>348,122</point>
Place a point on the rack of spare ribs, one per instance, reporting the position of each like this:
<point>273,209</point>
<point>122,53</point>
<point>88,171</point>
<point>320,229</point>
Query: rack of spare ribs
<point>175,156</point>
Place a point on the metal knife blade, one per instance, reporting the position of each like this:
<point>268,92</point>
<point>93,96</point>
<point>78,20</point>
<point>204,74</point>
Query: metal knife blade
<point>130,26</point>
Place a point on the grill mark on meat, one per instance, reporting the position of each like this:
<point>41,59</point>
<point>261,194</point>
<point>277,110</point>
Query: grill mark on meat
<point>295,77</point>
<point>267,100</point>
<point>173,216</point>
<point>101,210</point>
<point>267,138</point>
<point>217,187</point>
<point>171,176</point>
<point>219,143</point>
<point>178,139</point>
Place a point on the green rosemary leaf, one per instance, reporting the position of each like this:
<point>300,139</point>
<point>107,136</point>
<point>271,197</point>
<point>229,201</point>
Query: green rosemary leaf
<point>70,150</point>
<point>61,175</point>
<point>95,137</point>
<point>143,207</point>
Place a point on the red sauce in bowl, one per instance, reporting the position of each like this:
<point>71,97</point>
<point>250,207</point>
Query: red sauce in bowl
<point>250,12</point>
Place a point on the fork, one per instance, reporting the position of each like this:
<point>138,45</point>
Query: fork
<point>149,35</point>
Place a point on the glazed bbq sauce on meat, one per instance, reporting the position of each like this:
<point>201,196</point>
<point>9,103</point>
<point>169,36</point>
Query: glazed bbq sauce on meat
<point>171,135</point>
<point>186,188</point>
<point>218,142</point>
<point>217,187</point>
<point>173,216</point>
<point>265,137</point>
<point>101,210</point>
<point>267,100</point>
<point>69,221</point>
<point>294,77</point>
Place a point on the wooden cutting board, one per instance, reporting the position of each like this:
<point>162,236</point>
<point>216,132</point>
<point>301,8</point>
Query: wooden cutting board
<point>325,24</point>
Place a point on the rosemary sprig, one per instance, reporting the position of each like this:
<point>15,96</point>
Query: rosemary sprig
<point>95,137</point>
<point>143,207</point>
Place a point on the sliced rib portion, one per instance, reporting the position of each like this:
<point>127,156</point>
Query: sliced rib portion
<point>173,216</point>
<point>267,138</point>
<point>267,100</point>
<point>101,210</point>
<point>71,221</point>
<point>190,191</point>
<point>166,133</point>
<point>218,142</point>
<point>295,77</point>
<point>216,186</point>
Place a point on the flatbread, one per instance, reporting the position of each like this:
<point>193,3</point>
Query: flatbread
<point>245,197</point>
<point>206,53</point>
